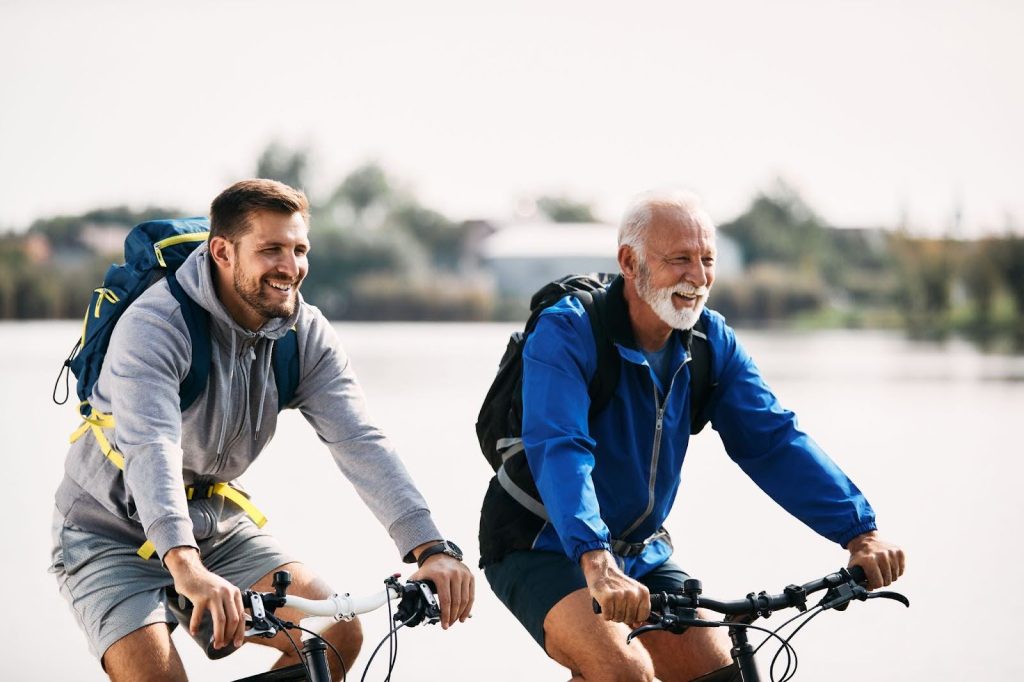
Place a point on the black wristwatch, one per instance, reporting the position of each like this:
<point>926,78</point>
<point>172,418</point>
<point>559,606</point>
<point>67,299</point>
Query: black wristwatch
<point>442,547</point>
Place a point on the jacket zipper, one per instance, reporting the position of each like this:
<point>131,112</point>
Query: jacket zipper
<point>656,453</point>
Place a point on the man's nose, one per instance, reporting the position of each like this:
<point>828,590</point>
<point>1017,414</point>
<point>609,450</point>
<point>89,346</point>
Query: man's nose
<point>289,265</point>
<point>696,274</point>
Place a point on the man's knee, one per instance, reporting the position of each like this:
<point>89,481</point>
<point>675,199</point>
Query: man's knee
<point>143,655</point>
<point>592,648</point>
<point>347,636</point>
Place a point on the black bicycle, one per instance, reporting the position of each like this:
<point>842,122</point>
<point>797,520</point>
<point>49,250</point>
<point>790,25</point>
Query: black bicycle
<point>416,604</point>
<point>677,612</point>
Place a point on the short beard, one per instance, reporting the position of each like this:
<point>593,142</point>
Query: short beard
<point>660,300</point>
<point>250,293</point>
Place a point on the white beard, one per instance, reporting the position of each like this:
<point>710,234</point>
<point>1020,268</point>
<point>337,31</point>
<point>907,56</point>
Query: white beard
<point>661,303</point>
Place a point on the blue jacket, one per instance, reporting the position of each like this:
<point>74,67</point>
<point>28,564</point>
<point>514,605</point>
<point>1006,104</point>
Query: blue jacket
<point>617,476</point>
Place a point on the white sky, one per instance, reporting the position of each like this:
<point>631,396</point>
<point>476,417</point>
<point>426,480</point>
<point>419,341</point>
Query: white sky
<point>872,109</point>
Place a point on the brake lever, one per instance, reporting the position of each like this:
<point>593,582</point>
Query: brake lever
<point>645,628</point>
<point>886,594</point>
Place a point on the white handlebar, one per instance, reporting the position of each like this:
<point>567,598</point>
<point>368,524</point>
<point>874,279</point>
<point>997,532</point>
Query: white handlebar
<point>342,607</point>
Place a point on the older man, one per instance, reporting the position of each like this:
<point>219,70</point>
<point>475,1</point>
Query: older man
<point>608,480</point>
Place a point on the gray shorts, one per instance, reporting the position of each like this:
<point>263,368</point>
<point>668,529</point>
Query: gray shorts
<point>113,591</point>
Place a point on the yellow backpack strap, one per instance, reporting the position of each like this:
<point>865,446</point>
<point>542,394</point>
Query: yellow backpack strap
<point>97,421</point>
<point>242,501</point>
<point>147,550</point>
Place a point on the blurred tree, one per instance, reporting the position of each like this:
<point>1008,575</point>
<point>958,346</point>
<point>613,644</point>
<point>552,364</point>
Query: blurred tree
<point>442,239</point>
<point>562,209</point>
<point>780,228</point>
<point>64,232</point>
<point>280,163</point>
<point>362,188</point>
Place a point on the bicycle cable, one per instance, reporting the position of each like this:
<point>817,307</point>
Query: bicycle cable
<point>284,630</point>
<point>809,616</point>
<point>337,654</point>
<point>790,651</point>
<point>392,642</point>
<point>392,632</point>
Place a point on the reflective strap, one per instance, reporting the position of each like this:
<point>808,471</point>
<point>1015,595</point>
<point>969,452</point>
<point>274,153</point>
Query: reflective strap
<point>508,447</point>
<point>519,495</point>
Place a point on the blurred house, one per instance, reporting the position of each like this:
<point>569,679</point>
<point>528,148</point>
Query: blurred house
<point>523,257</point>
<point>104,239</point>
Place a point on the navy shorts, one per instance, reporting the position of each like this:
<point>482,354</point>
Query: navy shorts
<point>530,583</point>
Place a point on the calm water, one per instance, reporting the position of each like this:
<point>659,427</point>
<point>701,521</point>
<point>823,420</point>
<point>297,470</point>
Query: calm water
<point>929,432</point>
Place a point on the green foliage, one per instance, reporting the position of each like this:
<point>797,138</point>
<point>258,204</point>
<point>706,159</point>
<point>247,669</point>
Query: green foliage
<point>565,210</point>
<point>290,166</point>
<point>65,231</point>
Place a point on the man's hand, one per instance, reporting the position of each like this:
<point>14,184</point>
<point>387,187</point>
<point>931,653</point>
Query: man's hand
<point>455,585</point>
<point>622,599</point>
<point>882,562</point>
<point>207,592</point>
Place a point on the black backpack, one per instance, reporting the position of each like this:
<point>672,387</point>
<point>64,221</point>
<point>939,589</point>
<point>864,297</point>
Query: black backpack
<point>499,424</point>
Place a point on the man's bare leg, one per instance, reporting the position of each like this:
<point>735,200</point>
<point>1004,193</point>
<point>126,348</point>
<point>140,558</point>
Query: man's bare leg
<point>146,655</point>
<point>592,648</point>
<point>346,637</point>
<point>696,652</point>
<point>595,650</point>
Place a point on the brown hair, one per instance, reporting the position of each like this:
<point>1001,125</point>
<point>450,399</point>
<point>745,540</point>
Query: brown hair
<point>231,210</point>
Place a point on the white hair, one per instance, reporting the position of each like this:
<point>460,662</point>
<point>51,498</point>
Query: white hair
<point>642,208</point>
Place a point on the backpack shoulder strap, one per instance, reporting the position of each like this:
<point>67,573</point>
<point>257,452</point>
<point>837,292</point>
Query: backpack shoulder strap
<point>285,360</point>
<point>606,377</point>
<point>198,322</point>
<point>701,383</point>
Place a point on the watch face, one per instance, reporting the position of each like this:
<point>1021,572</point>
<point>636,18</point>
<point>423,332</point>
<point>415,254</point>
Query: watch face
<point>452,550</point>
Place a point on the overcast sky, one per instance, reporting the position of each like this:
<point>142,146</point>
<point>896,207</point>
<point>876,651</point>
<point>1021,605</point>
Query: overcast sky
<point>873,110</point>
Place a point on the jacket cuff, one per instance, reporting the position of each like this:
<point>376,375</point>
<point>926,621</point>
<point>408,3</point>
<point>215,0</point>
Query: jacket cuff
<point>169,532</point>
<point>411,531</point>
<point>859,529</point>
<point>582,548</point>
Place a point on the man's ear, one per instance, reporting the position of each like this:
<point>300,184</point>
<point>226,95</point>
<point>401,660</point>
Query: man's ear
<point>222,251</point>
<point>627,261</point>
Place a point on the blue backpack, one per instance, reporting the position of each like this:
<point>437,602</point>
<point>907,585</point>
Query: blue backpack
<point>154,250</point>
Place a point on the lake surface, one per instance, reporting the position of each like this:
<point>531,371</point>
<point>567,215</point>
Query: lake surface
<point>930,432</point>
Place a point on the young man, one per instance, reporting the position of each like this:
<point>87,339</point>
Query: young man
<point>247,277</point>
<point>608,480</point>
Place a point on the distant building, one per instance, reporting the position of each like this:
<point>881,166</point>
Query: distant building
<point>103,239</point>
<point>523,257</point>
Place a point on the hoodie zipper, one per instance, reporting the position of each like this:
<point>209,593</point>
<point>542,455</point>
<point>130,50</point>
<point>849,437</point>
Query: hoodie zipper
<point>660,407</point>
<point>244,416</point>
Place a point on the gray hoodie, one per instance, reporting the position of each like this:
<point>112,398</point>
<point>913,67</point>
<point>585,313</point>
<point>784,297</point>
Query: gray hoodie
<point>225,429</point>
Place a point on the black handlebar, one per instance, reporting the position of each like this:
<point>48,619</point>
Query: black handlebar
<point>843,586</point>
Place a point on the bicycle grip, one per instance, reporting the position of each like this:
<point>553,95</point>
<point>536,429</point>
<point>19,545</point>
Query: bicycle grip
<point>858,575</point>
